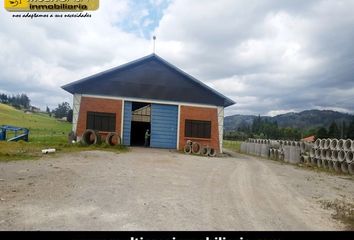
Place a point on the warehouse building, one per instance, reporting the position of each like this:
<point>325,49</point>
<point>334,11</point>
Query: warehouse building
<point>149,93</point>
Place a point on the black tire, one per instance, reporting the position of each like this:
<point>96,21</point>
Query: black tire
<point>187,149</point>
<point>196,148</point>
<point>110,139</point>
<point>205,151</point>
<point>212,152</point>
<point>189,142</point>
<point>90,137</point>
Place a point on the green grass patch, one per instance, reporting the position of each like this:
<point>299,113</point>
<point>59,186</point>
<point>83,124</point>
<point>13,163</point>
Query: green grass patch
<point>232,145</point>
<point>45,132</point>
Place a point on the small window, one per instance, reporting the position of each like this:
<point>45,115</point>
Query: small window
<point>105,122</point>
<point>197,129</point>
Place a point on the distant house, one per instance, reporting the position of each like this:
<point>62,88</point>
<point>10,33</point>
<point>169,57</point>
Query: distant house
<point>34,109</point>
<point>309,139</point>
<point>149,93</point>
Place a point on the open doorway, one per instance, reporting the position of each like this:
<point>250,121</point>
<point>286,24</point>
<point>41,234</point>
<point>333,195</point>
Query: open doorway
<point>141,121</point>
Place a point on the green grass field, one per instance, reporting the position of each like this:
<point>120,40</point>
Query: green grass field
<point>45,132</point>
<point>232,145</point>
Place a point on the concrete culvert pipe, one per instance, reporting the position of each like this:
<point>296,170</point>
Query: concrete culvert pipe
<point>340,144</point>
<point>212,152</point>
<point>341,156</point>
<point>187,149</point>
<point>318,143</point>
<point>305,147</point>
<point>274,144</point>
<point>334,155</point>
<point>252,147</point>
<point>243,147</point>
<point>312,152</point>
<point>313,161</point>
<point>322,144</point>
<point>205,151</point>
<point>349,157</point>
<point>189,142</point>
<point>318,153</point>
<point>327,143</point>
<point>302,159</point>
<point>276,155</point>
<point>325,163</point>
<point>113,139</point>
<point>294,154</point>
<point>306,159</point>
<point>264,150</point>
<point>344,167</point>
<point>337,166</point>
<point>286,150</point>
<point>323,153</point>
<point>348,145</point>
<point>334,144</point>
<point>196,148</point>
<point>351,168</point>
<point>271,153</point>
<point>90,137</point>
<point>330,165</point>
<point>319,162</point>
<point>329,154</point>
<point>257,149</point>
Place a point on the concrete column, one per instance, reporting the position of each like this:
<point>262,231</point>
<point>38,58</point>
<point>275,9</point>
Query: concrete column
<point>76,110</point>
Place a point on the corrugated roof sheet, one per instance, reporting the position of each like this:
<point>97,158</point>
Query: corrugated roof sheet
<point>150,77</point>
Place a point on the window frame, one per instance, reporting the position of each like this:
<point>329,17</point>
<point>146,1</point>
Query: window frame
<point>102,121</point>
<point>197,128</point>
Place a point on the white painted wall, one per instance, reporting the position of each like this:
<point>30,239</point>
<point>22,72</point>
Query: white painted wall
<point>76,109</point>
<point>221,126</point>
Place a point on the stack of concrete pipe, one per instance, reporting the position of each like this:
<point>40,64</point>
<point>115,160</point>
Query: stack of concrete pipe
<point>333,154</point>
<point>288,151</point>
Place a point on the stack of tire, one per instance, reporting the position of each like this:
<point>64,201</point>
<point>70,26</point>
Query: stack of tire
<point>196,148</point>
<point>333,154</point>
<point>92,137</point>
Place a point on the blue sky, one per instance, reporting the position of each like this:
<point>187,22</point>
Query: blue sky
<point>144,17</point>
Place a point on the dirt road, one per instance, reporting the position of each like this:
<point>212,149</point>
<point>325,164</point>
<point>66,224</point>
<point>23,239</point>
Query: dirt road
<point>151,189</point>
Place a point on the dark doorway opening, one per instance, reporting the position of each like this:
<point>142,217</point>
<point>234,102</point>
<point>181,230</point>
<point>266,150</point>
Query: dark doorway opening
<point>141,121</point>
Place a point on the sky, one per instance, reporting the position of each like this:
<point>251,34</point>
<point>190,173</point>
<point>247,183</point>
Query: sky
<point>271,57</point>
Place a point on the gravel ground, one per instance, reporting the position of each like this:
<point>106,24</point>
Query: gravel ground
<point>153,189</point>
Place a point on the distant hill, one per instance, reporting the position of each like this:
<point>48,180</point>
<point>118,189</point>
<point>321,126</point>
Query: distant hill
<point>42,127</point>
<point>303,120</point>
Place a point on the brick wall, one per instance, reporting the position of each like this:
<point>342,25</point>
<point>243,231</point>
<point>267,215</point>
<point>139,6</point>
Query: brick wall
<point>89,104</point>
<point>204,114</point>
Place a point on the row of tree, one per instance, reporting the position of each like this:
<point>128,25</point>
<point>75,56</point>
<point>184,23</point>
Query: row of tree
<point>22,101</point>
<point>18,101</point>
<point>63,110</point>
<point>265,129</point>
<point>334,131</point>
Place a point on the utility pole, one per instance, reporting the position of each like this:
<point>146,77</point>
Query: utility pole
<point>154,39</point>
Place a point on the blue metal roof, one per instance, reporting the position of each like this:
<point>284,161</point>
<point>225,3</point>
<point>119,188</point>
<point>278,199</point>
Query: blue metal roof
<point>150,77</point>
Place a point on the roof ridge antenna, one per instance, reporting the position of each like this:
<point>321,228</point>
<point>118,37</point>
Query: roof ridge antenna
<point>153,39</point>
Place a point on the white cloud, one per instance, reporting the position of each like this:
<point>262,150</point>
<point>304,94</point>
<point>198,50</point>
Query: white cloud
<point>269,56</point>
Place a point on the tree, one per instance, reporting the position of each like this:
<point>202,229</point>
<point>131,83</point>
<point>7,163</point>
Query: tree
<point>333,131</point>
<point>69,117</point>
<point>62,110</point>
<point>47,110</point>
<point>322,133</point>
<point>350,130</point>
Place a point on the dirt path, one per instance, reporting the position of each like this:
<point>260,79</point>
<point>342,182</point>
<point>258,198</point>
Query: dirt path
<point>151,189</point>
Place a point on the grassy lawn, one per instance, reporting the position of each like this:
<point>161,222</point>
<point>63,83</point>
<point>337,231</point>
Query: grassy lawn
<point>232,145</point>
<point>45,132</point>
